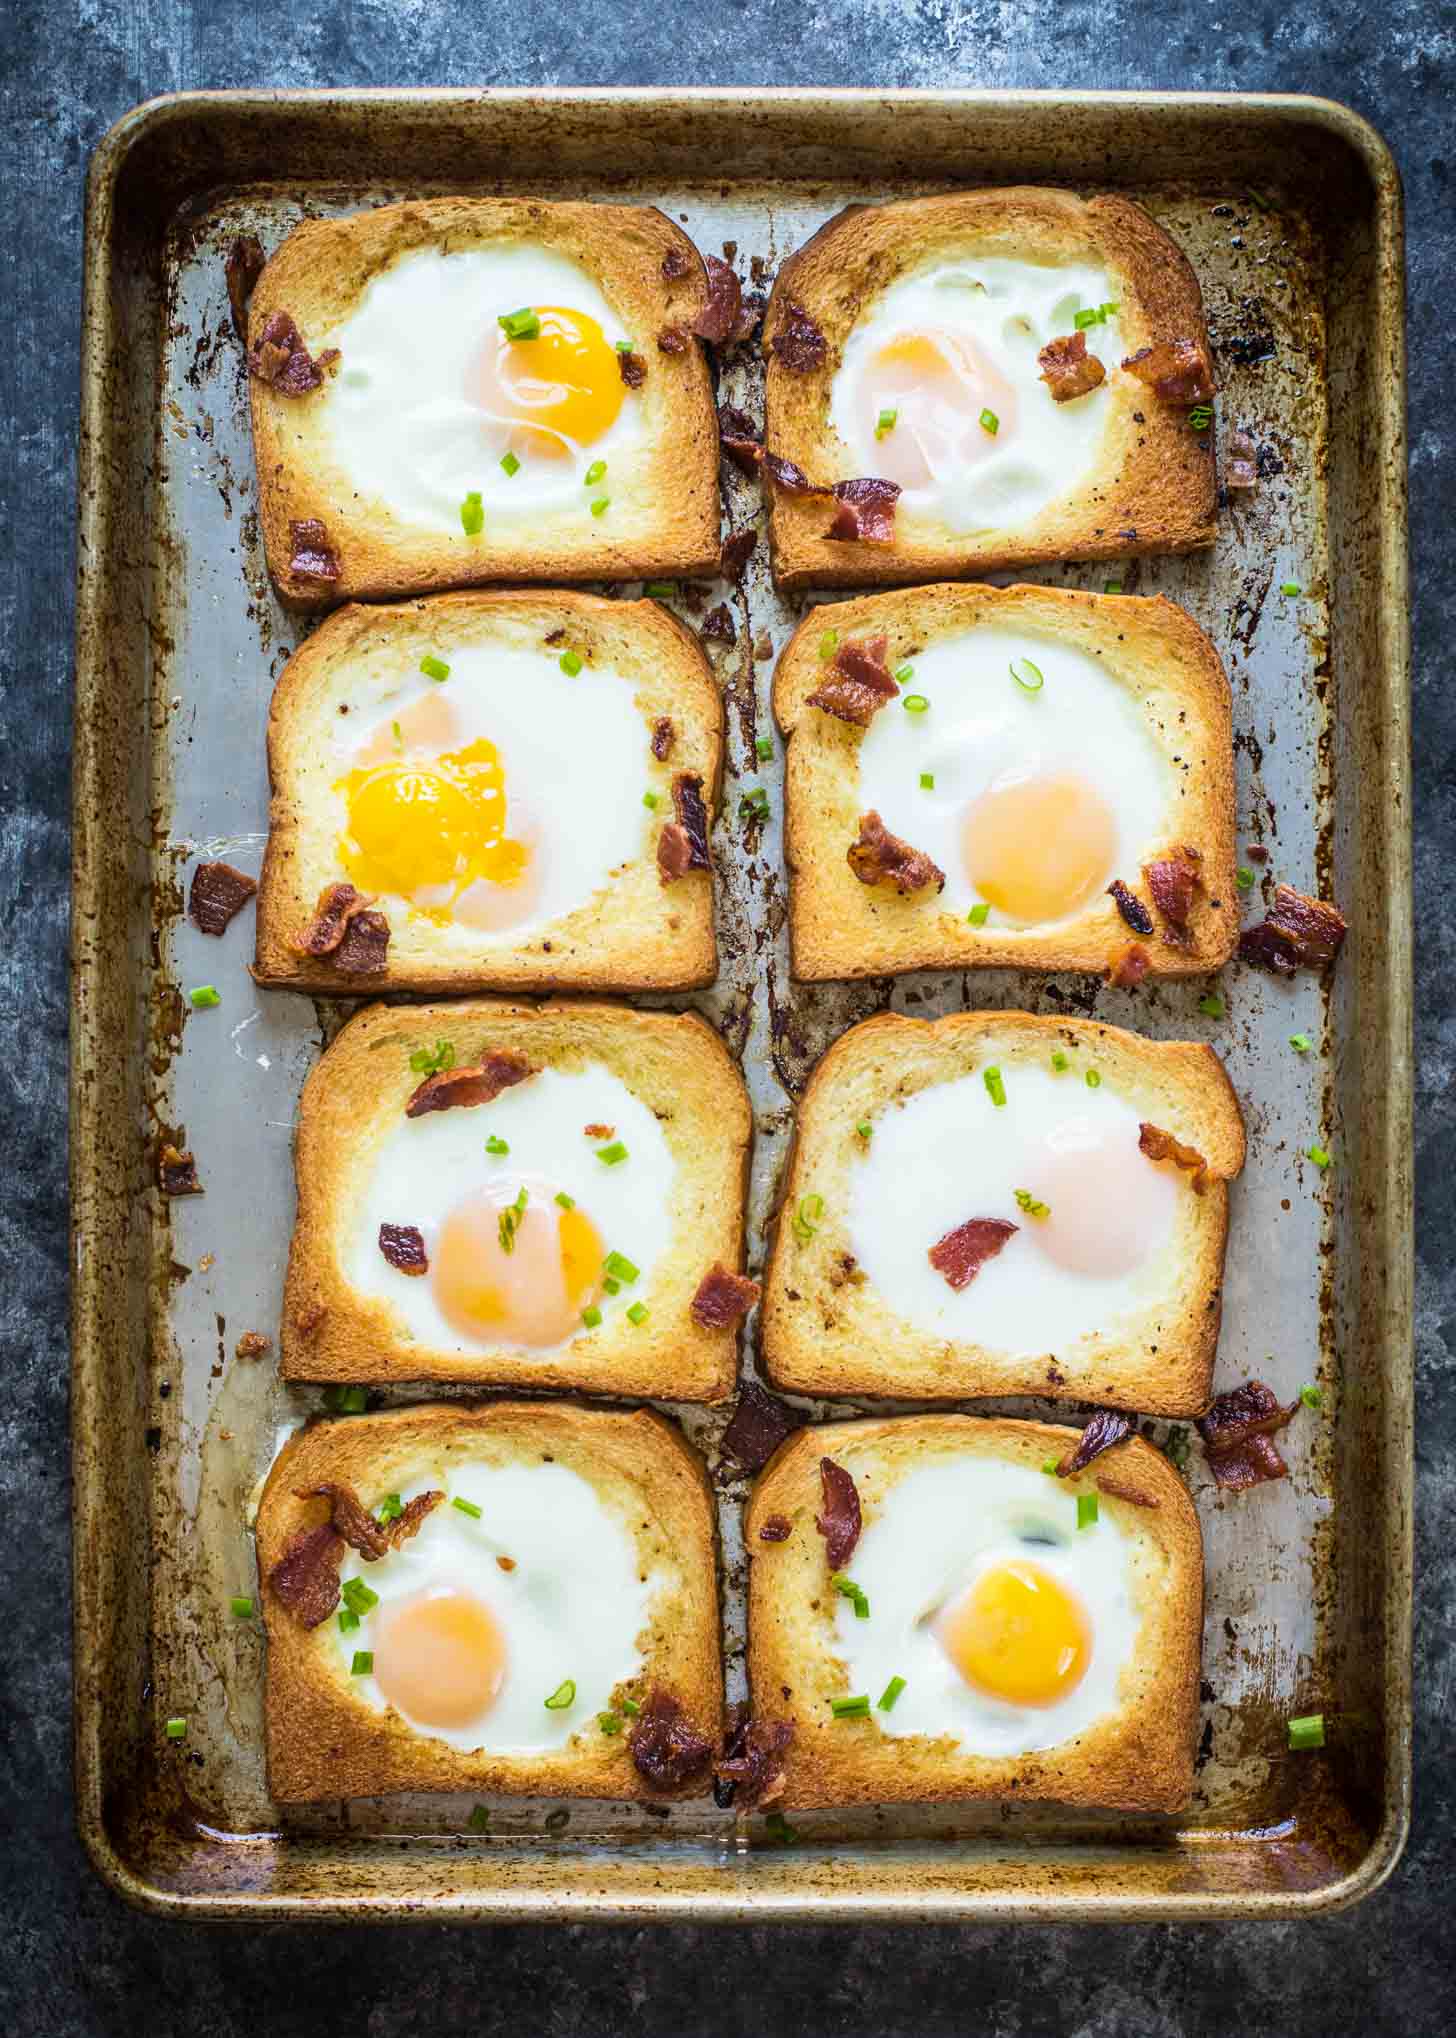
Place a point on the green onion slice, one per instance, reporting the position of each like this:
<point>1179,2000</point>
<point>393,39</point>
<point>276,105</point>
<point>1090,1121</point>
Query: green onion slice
<point>205,995</point>
<point>466,1507</point>
<point>828,645</point>
<point>610,1722</point>
<point>177,1730</point>
<point>927,781</point>
<point>520,325</point>
<point>915,703</point>
<point>885,422</point>
<point>497,1145</point>
<point>1212,1005</point>
<point>649,800</point>
<point>621,1268</point>
<point>1028,677</point>
<point>637,1312</point>
<point>611,1155</point>
<point>995,1088</point>
<point>433,667</point>
<point>591,1316</point>
<point>850,1708</point>
<point>1321,1156</point>
<point>990,422</point>
<point>890,1693</point>
<point>358,1597</point>
<point>1312,1397</point>
<point>1060,1063</point>
<point>391,1507</point>
<point>864,1128</point>
<point>479,1820</point>
<point>1094,1081</point>
<point>566,1202</point>
<point>807,1216</point>
<point>1049,1466</point>
<point>472,515</point>
<point>570,664</point>
<point>363,1663</point>
<point>510,464</point>
<point>1308,1732</point>
<point>1112,587</point>
<point>764,749</point>
<point>563,1696</point>
<point>1300,1042</point>
<point>1290,587</point>
<point>242,1608</point>
<point>979,914</point>
<point>847,1589</point>
<point>595,472</point>
<point>1031,1204</point>
<point>1244,878</point>
<point>348,1621</point>
<point>1086,1510</point>
<point>660,590</point>
<point>602,504</point>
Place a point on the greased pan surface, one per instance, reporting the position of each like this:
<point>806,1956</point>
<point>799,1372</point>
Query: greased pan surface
<point>1290,211</point>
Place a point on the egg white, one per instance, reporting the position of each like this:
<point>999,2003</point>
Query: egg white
<point>575,1605</point>
<point>1008,310</point>
<point>402,425</point>
<point>935,1530</point>
<point>426,1166</point>
<point>948,1154</point>
<point>982,729</point>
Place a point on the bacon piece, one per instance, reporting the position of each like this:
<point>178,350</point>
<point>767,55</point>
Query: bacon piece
<point>632,369</point>
<point>218,894</point>
<point>757,1426</point>
<point>244,265</point>
<point>718,625</point>
<point>672,340</point>
<point>1102,1432</point>
<point>683,843</point>
<point>962,1253</point>
<point>1243,462</point>
<point>1131,907</point>
<point>1129,966</point>
<point>752,1764</point>
<point>662,735</point>
<point>777,1529</point>
<point>739,437</point>
<point>177,1173</point>
<point>750,316</point>
<point>723,1298</point>
<point>879,858</point>
<point>1173,881</point>
<point>1299,930</point>
<point>364,950</point>
<point>501,1070</point>
<point>676,262</point>
<point>306,1577</point>
<point>839,1524</point>
<point>1067,369</point>
<point>737,552</point>
<point>866,512</point>
<point>1161,1146</point>
<point>283,362</point>
<point>667,1749</point>
<point>351,1519</point>
<point>337,904</point>
<point>252,1345</point>
<point>858,682</point>
<point>1178,371</point>
<point>312,556</point>
<point>1237,1433</point>
<point>403,1245</point>
<point>718,319</point>
<point>797,342</point>
<point>597,1131</point>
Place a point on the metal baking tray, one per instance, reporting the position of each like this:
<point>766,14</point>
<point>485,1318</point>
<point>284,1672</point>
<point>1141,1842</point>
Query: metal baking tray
<point>1290,209</point>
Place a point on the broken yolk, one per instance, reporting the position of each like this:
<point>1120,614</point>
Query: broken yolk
<point>560,390</point>
<point>503,1274</point>
<point>1039,848</point>
<point>938,384</point>
<point>1017,1634</point>
<point>439,1657</point>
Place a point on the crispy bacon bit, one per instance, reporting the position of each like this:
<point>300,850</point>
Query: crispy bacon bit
<point>667,1749</point>
<point>866,512</point>
<point>777,1529</point>
<point>1067,369</point>
<point>718,319</point>
<point>632,369</point>
<point>306,1576</point>
<point>218,894</point>
<point>858,682</point>
<point>662,735</point>
<point>1178,371</point>
<point>1299,930</point>
<point>798,344</point>
<point>364,950</point>
<point>252,1345</point>
<point>757,1426</point>
<point>500,1070</point>
<point>718,625</point>
<point>244,265</point>
<point>312,557</point>
<point>839,1524</point>
<point>1237,1433</point>
<point>598,1131</point>
<point>506,1563</point>
<point>880,858</point>
<point>737,552</point>
<point>676,262</point>
<point>281,359</point>
<point>1243,462</point>
<point>1173,881</point>
<point>1129,966</point>
<point>177,1173</point>
<point>1102,1432</point>
<point>1131,907</point>
<point>672,340</point>
<point>1161,1146</point>
<point>753,1761</point>
<point>962,1253</point>
<point>403,1245</point>
<point>750,315</point>
<point>337,905</point>
<point>683,843</point>
<point>351,1519</point>
<point>1256,852</point>
<point>739,437</point>
<point>723,1298</point>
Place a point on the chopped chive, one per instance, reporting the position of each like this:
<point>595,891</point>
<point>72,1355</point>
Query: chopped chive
<point>497,1145</point>
<point>637,1312</point>
<point>629,1706</point>
<point>205,995</point>
<point>807,1216</point>
<point>1112,587</point>
<point>1312,1397</point>
<point>660,590</point>
<point>1177,1447</point>
<point>979,914</point>
<point>177,1730</point>
<point>479,1820</point>
<point>358,1597</point>
<point>649,800</point>
<point>348,1621</point>
<point>472,515</point>
<point>519,325</point>
<point>1300,1042</point>
<point>1107,311</point>
<point>1308,1732</point>
<point>927,781</point>
<point>864,1128</point>
<point>1290,587</point>
<point>611,1155</point>
<point>763,749</point>
<point>510,464</point>
<point>990,422</point>
<point>1032,1205</point>
<point>1200,417</point>
<point>570,664</point>
<point>563,1696</point>
<point>890,1693</point>
<point>610,1722</point>
<point>566,1202</point>
<point>1321,1156</point>
<point>242,1608</point>
<point>1060,1064</point>
<point>885,422</point>
<point>779,1830</point>
<point>754,806</point>
<point>602,504</point>
<point>431,1062</point>
<point>433,667</point>
<point>466,1507</point>
<point>363,1663</point>
<point>1212,1006</point>
<point>623,346</point>
<point>847,1589</point>
<point>621,1268</point>
<point>1049,1466</point>
<point>595,472</point>
<point>1082,319</point>
<point>612,1287</point>
<point>391,1507</point>
<point>1244,878</point>
<point>995,1088</point>
<point>398,736</point>
<point>850,1708</point>
<point>1094,1081</point>
<point>915,703</point>
<point>1086,1510</point>
<point>591,1316</point>
<point>904,673</point>
<point>1028,677</point>
<point>346,1400</point>
<point>828,645</point>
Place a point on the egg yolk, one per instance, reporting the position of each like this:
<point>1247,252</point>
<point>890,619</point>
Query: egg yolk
<point>439,1657</point>
<point>560,390</point>
<point>1038,848</point>
<point>938,385</point>
<point>428,828</point>
<point>1109,1207</point>
<point>516,1275</point>
<point>1017,1634</point>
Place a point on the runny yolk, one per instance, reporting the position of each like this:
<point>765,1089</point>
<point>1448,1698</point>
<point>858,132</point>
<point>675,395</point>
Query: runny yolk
<point>937,384</point>
<point>1109,1207</point>
<point>560,390</point>
<point>516,1276</point>
<point>1039,848</point>
<point>439,1657</point>
<point>427,828</point>
<point>1017,1634</point>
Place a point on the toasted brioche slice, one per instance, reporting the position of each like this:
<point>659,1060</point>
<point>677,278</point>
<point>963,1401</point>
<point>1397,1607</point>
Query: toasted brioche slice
<point>1104,1285</point>
<point>376,460</point>
<point>1134,1753</point>
<point>540,1470</point>
<point>579,748</point>
<point>1149,484</point>
<point>628,1132</point>
<point>1140,717</point>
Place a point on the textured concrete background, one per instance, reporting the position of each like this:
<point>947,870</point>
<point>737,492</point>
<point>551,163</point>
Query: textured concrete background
<point>72,1959</point>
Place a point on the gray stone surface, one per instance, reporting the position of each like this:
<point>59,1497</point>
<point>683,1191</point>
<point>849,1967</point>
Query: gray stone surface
<point>72,1959</point>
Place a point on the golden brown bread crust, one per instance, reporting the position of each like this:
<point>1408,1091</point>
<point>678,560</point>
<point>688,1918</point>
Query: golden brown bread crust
<point>326,1742</point>
<point>1139,1758</point>
<point>354,1097</point>
<point>1154,487</point>
<point>318,276</point>
<point>636,934</point>
<point>1150,647</point>
<point>823,1335</point>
